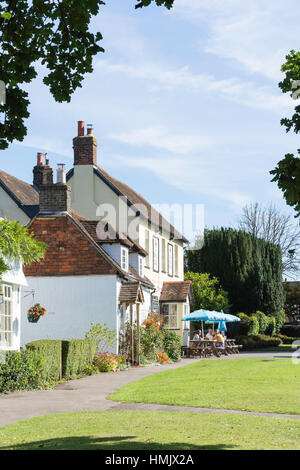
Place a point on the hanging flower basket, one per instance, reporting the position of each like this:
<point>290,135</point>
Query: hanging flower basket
<point>35,313</point>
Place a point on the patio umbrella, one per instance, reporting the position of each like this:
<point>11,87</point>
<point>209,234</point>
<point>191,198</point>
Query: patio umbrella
<point>222,326</point>
<point>205,315</point>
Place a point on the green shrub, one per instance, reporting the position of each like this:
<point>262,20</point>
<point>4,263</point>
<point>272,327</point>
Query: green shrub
<point>50,354</point>
<point>287,339</point>
<point>105,337</point>
<point>109,362</point>
<point>291,330</point>
<point>248,325</point>
<point>258,342</point>
<point>76,355</point>
<point>262,320</point>
<point>271,328</point>
<point>151,340</point>
<point>172,345</point>
<point>21,371</point>
<point>280,318</point>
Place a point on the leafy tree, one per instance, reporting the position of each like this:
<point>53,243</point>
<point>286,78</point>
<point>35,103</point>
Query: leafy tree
<point>208,294</point>
<point>54,33</point>
<point>16,244</point>
<point>248,268</point>
<point>275,227</point>
<point>287,172</point>
<point>104,337</point>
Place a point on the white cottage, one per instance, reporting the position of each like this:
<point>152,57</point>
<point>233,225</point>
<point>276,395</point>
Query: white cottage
<point>10,307</point>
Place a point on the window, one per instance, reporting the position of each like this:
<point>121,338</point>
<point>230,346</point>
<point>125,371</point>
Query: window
<point>155,254</point>
<point>141,266</point>
<point>170,259</point>
<point>6,330</point>
<point>164,256</point>
<point>124,259</point>
<point>176,260</point>
<point>169,311</point>
<point>147,246</point>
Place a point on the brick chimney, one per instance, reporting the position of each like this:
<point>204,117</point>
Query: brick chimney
<point>85,146</point>
<point>55,197</point>
<point>42,174</point>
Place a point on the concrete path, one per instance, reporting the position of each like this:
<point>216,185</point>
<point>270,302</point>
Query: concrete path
<point>89,393</point>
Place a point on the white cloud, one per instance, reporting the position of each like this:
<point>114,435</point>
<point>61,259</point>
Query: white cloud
<point>257,34</point>
<point>160,137</point>
<point>199,175</point>
<point>246,93</point>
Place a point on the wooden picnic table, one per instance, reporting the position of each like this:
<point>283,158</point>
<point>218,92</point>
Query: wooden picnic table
<point>205,347</point>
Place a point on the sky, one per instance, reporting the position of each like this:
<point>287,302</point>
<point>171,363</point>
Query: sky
<point>185,104</point>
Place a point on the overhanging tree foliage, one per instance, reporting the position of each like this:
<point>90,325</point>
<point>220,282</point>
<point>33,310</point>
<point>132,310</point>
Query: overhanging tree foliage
<point>17,244</point>
<point>54,33</point>
<point>287,172</point>
<point>248,268</point>
<point>208,294</point>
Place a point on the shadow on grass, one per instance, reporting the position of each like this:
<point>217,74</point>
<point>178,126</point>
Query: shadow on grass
<point>113,443</point>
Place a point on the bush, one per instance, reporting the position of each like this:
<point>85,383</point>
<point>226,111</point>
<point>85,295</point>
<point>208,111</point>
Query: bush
<point>21,371</point>
<point>258,342</point>
<point>105,337</point>
<point>291,330</point>
<point>172,345</point>
<point>262,320</point>
<point>248,325</point>
<point>108,362</point>
<point>287,339</point>
<point>280,318</point>
<point>50,354</point>
<point>76,355</point>
<point>271,328</point>
<point>151,340</point>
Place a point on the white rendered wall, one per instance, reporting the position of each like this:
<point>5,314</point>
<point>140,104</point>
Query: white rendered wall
<point>72,303</point>
<point>9,209</point>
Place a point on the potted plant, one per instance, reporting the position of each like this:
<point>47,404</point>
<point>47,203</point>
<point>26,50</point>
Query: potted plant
<point>35,313</point>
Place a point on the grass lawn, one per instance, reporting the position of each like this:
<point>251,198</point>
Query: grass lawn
<point>129,430</point>
<point>254,384</point>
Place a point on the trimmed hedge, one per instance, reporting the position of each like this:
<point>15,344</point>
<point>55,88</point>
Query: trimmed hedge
<point>248,325</point>
<point>280,318</point>
<point>77,354</point>
<point>262,320</point>
<point>258,342</point>
<point>21,371</point>
<point>50,353</point>
<point>287,339</point>
<point>291,330</point>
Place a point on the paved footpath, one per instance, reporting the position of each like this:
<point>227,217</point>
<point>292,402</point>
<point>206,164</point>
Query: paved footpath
<point>90,394</point>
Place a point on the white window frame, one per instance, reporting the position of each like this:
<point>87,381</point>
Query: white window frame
<point>124,259</point>
<point>171,317</point>
<point>6,317</point>
<point>170,260</point>
<point>156,254</point>
<point>141,265</point>
<point>147,247</point>
<point>164,256</point>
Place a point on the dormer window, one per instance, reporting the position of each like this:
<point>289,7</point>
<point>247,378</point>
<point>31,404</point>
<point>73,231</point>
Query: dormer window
<point>124,259</point>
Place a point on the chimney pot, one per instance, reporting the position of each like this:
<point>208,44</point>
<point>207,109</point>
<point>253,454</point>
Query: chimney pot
<point>40,157</point>
<point>80,128</point>
<point>90,129</point>
<point>61,174</point>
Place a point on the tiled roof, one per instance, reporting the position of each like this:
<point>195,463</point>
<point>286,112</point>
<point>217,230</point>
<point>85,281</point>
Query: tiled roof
<point>96,228</point>
<point>134,198</point>
<point>176,291</point>
<point>129,292</point>
<point>25,196</point>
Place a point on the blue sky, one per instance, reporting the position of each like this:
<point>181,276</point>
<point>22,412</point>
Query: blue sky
<point>185,103</point>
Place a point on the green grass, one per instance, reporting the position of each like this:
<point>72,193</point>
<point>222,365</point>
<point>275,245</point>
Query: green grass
<point>129,430</point>
<point>256,384</point>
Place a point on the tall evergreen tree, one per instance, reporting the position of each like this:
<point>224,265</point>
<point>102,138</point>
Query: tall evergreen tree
<point>249,269</point>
